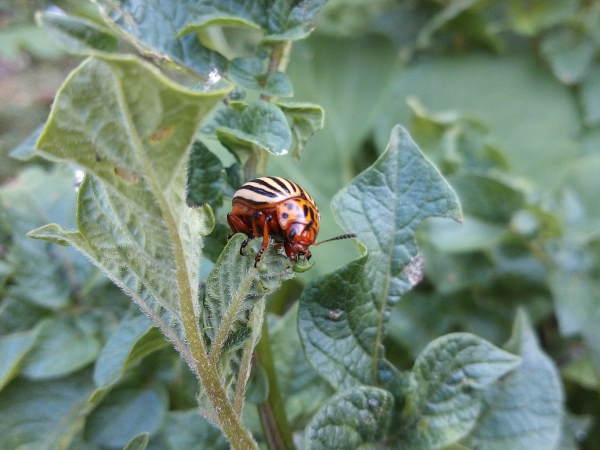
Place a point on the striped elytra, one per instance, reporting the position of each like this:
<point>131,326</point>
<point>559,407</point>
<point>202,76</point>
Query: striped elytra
<point>269,190</point>
<point>278,208</point>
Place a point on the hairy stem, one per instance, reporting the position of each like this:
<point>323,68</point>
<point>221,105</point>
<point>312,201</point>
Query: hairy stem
<point>238,436</point>
<point>272,412</point>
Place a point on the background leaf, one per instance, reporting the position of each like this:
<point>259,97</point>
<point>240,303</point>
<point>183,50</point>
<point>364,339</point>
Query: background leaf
<point>354,418</point>
<point>443,404</point>
<point>525,409</point>
<point>342,316</point>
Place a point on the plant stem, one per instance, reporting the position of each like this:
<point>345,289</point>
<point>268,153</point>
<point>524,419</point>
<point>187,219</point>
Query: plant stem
<point>230,424</point>
<point>272,412</point>
<point>278,61</point>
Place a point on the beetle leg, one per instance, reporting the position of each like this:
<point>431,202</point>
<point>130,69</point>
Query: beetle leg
<point>265,242</point>
<point>243,246</point>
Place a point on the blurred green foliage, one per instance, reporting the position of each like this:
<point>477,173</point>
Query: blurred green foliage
<point>504,98</point>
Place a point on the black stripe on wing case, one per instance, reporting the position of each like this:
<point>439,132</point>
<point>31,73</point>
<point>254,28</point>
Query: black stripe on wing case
<point>267,185</point>
<point>258,190</point>
<point>280,183</point>
<point>247,200</point>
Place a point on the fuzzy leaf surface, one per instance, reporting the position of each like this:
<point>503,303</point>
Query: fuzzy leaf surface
<point>234,302</point>
<point>131,129</point>
<point>205,180</point>
<point>525,409</point>
<point>444,403</point>
<point>342,316</point>
<point>76,34</point>
<point>354,419</point>
<point>154,26</point>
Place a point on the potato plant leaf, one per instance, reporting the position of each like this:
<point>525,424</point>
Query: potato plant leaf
<point>62,347</point>
<point>251,73</point>
<point>233,307</point>
<point>355,418</point>
<point>76,34</point>
<point>569,54</point>
<point>131,129</point>
<point>154,26</point>
<point>134,338</point>
<point>524,409</point>
<point>125,413</point>
<point>206,177</point>
<point>44,415</point>
<point>305,119</point>
<point>342,316</point>
<point>140,442</point>
<point>183,430</point>
<point>303,389</point>
<point>259,126</point>
<point>14,348</point>
<point>443,402</point>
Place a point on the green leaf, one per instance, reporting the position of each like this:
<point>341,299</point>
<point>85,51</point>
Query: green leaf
<point>525,409</point>
<point>590,97</point>
<point>134,338</point>
<point>26,150</point>
<point>233,307</point>
<point>280,20</point>
<point>444,403</point>
<point>252,73</point>
<point>62,347</point>
<point>569,54</point>
<point>76,34</point>
<point>356,418</point>
<point>342,316</point>
<point>125,413</point>
<point>470,235</point>
<point>303,390</point>
<point>205,178</point>
<point>153,27</point>
<point>451,11</point>
<point>18,315</point>
<point>531,17</point>
<point>44,415</point>
<point>14,348</point>
<point>43,274</point>
<point>462,82</point>
<point>305,119</point>
<point>140,442</point>
<point>184,430</point>
<point>132,136</point>
<point>259,126</point>
<point>490,197</point>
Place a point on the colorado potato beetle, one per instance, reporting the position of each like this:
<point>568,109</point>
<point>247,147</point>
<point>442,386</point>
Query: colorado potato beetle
<point>279,208</point>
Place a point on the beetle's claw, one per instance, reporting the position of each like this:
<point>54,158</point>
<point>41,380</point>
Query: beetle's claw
<point>243,246</point>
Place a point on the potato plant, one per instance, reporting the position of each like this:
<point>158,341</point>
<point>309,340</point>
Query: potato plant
<point>463,316</point>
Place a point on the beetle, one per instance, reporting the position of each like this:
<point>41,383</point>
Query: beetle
<point>279,208</point>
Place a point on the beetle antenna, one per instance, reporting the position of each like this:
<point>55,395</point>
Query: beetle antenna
<point>338,238</point>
